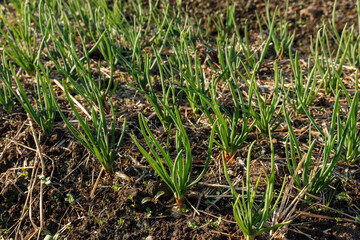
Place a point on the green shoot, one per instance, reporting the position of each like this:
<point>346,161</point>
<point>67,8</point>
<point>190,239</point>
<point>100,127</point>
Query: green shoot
<point>191,72</point>
<point>43,113</point>
<point>100,141</point>
<point>227,124</point>
<point>352,52</point>
<point>169,97</point>
<point>352,138</point>
<point>250,218</point>
<point>175,173</point>
<point>80,76</point>
<point>6,94</point>
<point>307,92</point>
<point>266,117</point>
<point>316,175</point>
<point>281,37</point>
<point>20,40</point>
<point>329,66</point>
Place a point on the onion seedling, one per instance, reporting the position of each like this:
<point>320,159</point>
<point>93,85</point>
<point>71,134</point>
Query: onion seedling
<point>88,16</point>
<point>308,92</point>
<point>83,80</point>
<point>175,173</point>
<point>252,218</point>
<point>329,66</point>
<point>281,36</point>
<point>349,33</point>
<point>43,113</point>
<point>168,97</point>
<point>316,175</point>
<point>20,39</point>
<point>226,124</point>
<point>6,93</point>
<point>227,127</point>
<point>266,116</point>
<point>352,138</point>
<point>191,71</point>
<point>100,140</point>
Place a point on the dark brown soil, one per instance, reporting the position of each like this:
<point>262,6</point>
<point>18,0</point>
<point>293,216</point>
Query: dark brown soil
<point>117,211</point>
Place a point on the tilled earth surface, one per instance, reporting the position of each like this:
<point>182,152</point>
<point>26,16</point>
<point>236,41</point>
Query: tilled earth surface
<point>118,210</point>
